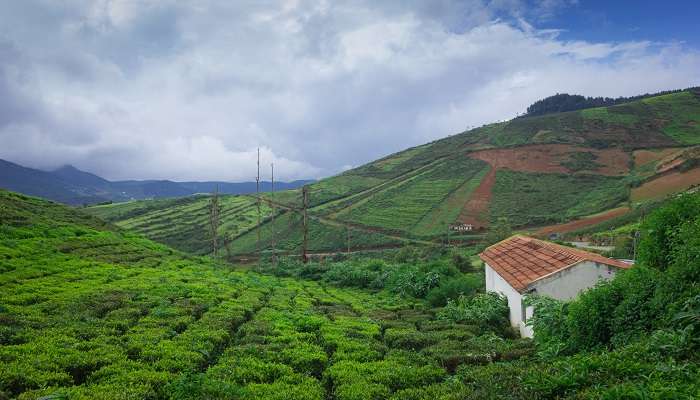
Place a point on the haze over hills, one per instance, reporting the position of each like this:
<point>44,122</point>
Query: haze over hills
<point>534,172</point>
<point>72,186</point>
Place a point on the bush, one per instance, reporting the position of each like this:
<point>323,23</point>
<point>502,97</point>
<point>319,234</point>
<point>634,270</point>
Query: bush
<point>660,230</point>
<point>637,302</point>
<point>452,288</point>
<point>486,309</point>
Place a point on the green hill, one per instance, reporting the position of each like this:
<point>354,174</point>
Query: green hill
<point>534,171</point>
<point>89,311</point>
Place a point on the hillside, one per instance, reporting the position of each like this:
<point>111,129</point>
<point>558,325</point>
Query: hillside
<point>92,312</point>
<point>70,185</point>
<point>536,172</point>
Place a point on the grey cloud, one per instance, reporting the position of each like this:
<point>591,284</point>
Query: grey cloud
<point>167,89</point>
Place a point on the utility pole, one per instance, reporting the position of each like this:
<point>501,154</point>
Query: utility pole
<point>347,231</point>
<point>305,202</point>
<point>272,205</point>
<point>257,194</point>
<point>214,220</point>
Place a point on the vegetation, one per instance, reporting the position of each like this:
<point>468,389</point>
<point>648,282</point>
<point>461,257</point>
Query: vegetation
<point>647,317</point>
<point>90,311</point>
<point>562,102</point>
<point>436,280</point>
<point>537,199</point>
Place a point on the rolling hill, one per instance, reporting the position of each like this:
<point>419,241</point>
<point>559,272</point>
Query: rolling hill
<point>533,172</point>
<point>70,185</point>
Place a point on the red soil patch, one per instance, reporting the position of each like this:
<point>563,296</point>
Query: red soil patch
<point>583,222</point>
<point>667,184</point>
<point>549,157</point>
<point>476,210</point>
<point>642,157</point>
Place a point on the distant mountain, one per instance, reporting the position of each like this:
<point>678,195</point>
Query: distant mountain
<point>70,185</point>
<point>75,176</point>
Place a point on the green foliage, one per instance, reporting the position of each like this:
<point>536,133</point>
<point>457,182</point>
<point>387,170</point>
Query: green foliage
<point>639,301</point>
<point>453,288</point>
<point>435,280</point>
<point>537,199</point>
<point>582,161</point>
<point>665,231</point>
<point>682,111</point>
<point>499,230</point>
<point>610,115</point>
<point>485,309</point>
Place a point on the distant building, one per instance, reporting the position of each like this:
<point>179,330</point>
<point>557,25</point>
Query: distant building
<point>461,227</point>
<point>522,265</point>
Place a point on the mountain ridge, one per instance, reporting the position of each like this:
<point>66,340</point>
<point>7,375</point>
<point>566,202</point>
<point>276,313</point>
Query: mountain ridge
<point>70,185</point>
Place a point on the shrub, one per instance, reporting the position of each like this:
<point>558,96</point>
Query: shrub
<point>486,309</point>
<point>659,230</point>
<point>466,285</point>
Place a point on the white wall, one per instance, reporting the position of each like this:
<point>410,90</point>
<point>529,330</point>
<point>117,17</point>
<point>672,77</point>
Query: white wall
<point>567,284</point>
<point>563,285</point>
<point>494,283</point>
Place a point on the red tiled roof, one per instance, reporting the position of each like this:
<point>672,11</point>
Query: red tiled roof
<point>521,260</point>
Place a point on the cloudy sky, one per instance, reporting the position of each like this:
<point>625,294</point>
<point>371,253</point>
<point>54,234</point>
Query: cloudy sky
<point>187,90</point>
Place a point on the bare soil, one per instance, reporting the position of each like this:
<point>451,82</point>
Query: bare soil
<point>667,184</point>
<point>642,157</point>
<point>548,158</point>
<point>476,210</point>
<point>582,222</point>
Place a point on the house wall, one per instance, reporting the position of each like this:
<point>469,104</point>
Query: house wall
<point>567,284</point>
<point>494,283</point>
<point>563,285</point>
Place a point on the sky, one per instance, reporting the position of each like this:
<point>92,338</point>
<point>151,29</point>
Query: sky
<point>188,90</point>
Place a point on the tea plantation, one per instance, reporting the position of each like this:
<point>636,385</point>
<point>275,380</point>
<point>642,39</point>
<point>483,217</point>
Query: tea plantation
<point>88,311</point>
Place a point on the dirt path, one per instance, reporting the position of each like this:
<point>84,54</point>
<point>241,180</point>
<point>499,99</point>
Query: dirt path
<point>583,222</point>
<point>475,211</point>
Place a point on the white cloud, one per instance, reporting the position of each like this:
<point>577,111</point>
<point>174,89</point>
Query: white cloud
<point>143,89</point>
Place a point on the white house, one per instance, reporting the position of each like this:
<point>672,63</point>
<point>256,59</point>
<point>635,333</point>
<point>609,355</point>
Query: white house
<point>522,265</point>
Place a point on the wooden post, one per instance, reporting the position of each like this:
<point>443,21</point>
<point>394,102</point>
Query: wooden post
<point>214,220</point>
<point>272,205</point>
<point>257,194</point>
<point>305,199</point>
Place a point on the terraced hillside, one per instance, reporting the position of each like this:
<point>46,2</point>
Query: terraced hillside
<point>88,311</point>
<point>536,172</point>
